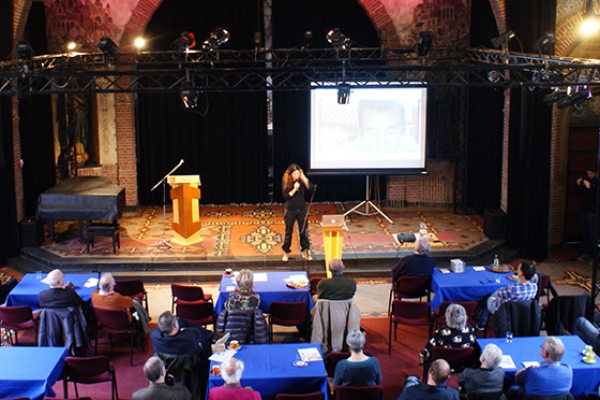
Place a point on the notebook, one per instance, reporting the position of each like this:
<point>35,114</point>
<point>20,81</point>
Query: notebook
<point>333,221</point>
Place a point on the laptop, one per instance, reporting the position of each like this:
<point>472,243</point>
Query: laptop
<point>333,221</point>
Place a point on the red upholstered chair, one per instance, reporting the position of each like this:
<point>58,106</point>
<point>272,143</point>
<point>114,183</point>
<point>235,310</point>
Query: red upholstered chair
<point>197,312</point>
<point>410,287</point>
<point>314,281</point>
<point>133,288</point>
<point>440,315</point>
<point>89,370</point>
<point>545,288</point>
<point>288,314</point>
<point>187,293</point>
<point>116,322</point>
<point>17,318</point>
<point>411,313</point>
<point>303,396</point>
<point>358,392</point>
<point>457,358</point>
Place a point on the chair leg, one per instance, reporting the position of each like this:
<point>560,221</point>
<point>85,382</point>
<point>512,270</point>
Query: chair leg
<point>76,390</point>
<point>391,297</point>
<point>65,388</point>
<point>390,337</point>
<point>115,389</point>
<point>131,348</point>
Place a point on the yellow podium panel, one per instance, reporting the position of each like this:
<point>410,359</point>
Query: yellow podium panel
<point>186,216</point>
<point>333,244</point>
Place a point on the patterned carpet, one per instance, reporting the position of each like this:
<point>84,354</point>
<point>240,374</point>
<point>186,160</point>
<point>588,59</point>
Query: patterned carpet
<point>257,231</point>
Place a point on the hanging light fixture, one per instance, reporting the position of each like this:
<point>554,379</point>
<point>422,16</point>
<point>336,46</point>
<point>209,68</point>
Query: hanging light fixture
<point>590,24</point>
<point>217,38</point>
<point>337,39</point>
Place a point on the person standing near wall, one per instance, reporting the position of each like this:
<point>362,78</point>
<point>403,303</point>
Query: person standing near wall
<point>586,187</point>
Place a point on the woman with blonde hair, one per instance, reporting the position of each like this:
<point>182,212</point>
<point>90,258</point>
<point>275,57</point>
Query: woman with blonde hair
<point>294,184</point>
<point>244,297</point>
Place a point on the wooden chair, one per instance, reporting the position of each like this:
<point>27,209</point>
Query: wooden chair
<point>411,313</point>
<point>89,370</point>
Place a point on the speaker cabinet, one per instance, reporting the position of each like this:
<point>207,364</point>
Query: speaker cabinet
<point>494,223</point>
<point>32,232</point>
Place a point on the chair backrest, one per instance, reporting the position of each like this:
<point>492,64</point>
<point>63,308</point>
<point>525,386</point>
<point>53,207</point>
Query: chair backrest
<point>114,321</point>
<point>522,318</point>
<point>562,311</point>
<point>16,317</point>
<point>196,312</point>
<point>301,396</point>
<point>87,369</point>
<point>358,392</point>
<point>186,292</point>
<point>332,359</point>
<point>470,309</point>
<point>130,287</point>
<point>415,313</point>
<point>457,358</point>
<point>314,281</point>
<point>412,287</point>
<point>293,313</point>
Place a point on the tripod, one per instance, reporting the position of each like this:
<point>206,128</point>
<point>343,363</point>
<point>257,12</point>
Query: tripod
<point>368,203</point>
<point>163,241</point>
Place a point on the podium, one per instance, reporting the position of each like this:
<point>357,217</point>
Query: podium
<point>333,244</point>
<point>185,194</point>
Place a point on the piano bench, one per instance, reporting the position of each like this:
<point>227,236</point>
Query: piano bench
<point>103,229</point>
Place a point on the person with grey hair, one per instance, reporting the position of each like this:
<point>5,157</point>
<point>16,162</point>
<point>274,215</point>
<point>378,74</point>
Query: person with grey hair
<point>358,369</point>
<point>155,372</point>
<point>457,333</point>
<point>417,264</point>
<point>244,297</point>
<point>59,295</point>
<point>550,378</point>
<point>338,287</point>
<point>231,372</point>
<point>489,378</point>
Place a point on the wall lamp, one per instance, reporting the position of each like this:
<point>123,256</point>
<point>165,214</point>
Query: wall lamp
<point>109,48</point>
<point>501,42</point>
<point>24,50</point>
<point>217,38</point>
<point>425,43</point>
<point>338,40</point>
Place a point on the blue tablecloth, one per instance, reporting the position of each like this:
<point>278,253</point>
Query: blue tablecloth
<point>27,290</point>
<point>272,290</point>
<point>269,369</point>
<point>30,371</point>
<point>586,377</point>
<point>465,286</point>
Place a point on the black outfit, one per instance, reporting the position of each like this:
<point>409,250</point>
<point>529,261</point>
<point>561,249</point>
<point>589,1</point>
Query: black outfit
<point>479,380</point>
<point>60,298</point>
<point>413,265</point>
<point>190,340</point>
<point>422,391</point>
<point>6,288</point>
<point>295,210</point>
<point>587,215</point>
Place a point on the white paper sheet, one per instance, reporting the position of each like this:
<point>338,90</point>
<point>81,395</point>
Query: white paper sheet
<point>224,356</point>
<point>507,362</point>
<point>528,364</point>
<point>261,277</point>
<point>91,282</point>
<point>478,268</point>
<point>310,354</point>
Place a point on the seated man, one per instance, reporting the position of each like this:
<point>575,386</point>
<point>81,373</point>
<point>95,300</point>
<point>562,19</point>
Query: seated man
<point>417,264</point>
<point>524,289</point>
<point>434,389</point>
<point>155,372</point>
<point>106,297</point>
<point>59,295</point>
<point>588,332</point>
<point>338,287</point>
<point>550,378</point>
<point>231,372</point>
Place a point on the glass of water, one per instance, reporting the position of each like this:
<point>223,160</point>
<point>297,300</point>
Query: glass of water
<point>509,337</point>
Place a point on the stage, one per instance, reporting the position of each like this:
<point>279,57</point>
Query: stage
<point>250,236</point>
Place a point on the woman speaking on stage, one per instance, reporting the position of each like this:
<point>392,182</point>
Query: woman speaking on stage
<point>294,185</point>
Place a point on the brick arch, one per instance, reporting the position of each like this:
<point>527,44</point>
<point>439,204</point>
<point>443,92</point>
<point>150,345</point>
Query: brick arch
<point>20,15</point>
<point>140,17</point>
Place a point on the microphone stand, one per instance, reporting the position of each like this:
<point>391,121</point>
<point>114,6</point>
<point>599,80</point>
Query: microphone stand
<point>163,241</point>
<point>307,268</point>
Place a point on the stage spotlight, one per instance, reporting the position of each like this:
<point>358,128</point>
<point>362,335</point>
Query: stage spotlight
<point>337,39</point>
<point>24,50</point>
<point>383,37</point>
<point>493,76</point>
<point>189,98</point>
<point>554,96</point>
<point>139,43</point>
<point>575,96</point>
<point>343,95</point>
<point>425,43</point>
<point>184,42</point>
<point>307,41</point>
<point>544,43</point>
<point>501,42</point>
<point>109,48</point>
<point>217,38</point>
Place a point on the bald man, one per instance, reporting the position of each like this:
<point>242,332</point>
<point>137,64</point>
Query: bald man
<point>231,372</point>
<point>58,295</point>
<point>338,287</point>
<point>434,389</point>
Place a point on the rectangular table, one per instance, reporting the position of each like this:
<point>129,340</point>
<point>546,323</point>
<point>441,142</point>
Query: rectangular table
<point>30,371</point>
<point>465,286</point>
<point>586,377</point>
<point>274,289</point>
<point>27,290</point>
<point>269,369</point>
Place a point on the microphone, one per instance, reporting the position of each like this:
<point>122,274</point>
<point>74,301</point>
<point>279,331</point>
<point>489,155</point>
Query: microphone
<point>314,186</point>
<point>180,162</point>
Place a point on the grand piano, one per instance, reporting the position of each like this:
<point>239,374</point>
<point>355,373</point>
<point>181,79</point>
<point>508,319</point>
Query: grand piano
<point>82,198</point>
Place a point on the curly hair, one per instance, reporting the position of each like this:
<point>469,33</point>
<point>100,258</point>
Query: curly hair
<point>287,182</point>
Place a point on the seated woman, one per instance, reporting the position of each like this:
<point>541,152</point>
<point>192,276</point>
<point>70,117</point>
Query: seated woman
<point>243,298</point>
<point>457,334</point>
<point>489,379</point>
<point>358,369</point>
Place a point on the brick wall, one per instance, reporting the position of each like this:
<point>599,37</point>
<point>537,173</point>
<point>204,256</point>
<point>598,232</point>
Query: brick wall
<point>434,189</point>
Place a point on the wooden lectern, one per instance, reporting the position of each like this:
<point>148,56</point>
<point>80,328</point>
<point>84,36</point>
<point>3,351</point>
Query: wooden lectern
<point>333,228</point>
<point>185,193</point>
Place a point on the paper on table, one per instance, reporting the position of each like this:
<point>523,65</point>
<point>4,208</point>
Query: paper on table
<point>296,278</point>
<point>261,277</point>
<point>478,268</point>
<point>444,270</point>
<point>229,288</point>
<point>91,282</point>
<point>507,362</point>
<point>223,356</point>
<point>528,364</point>
<point>310,354</point>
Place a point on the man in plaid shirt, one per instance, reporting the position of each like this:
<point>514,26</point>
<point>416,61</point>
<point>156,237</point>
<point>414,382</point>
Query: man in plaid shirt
<point>524,289</point>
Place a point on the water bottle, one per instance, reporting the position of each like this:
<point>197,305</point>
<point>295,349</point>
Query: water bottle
<point>496,261</point>
<point>423,229</point>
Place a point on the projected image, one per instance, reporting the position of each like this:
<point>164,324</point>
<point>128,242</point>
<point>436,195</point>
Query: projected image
<point>380,129</point>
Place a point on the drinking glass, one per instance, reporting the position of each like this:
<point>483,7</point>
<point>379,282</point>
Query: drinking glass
<point>509,337</point>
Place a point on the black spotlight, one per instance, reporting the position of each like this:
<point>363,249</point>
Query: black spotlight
<point>425,43</point>
<point>337,39</point>
<point>189,98</point>
<point>544,43</point>
<point>24,50</point>
<point>217,38</point>
<point>109,48</point>
<point>186,40</point>
<point>343,95</point>
<point>501,42</point>
<point>554,96</point>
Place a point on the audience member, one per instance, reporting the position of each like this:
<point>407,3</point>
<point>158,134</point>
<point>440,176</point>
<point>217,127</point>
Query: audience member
<point>524,289</point>
<point>244,297</point>
<point>106,297</point>
<point>417,264</point>
<point>358,369</point>
<point>6,285</point>
<point>550,378</point>
<point>59,295</point>
<point>231,372</point>
<point>155,372</point>
<point>586,187</point>
<point>338,287</point>
<point>457,334</point>
<point>489,378</point>
<point>434,389</point>
<point>588,332</point>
